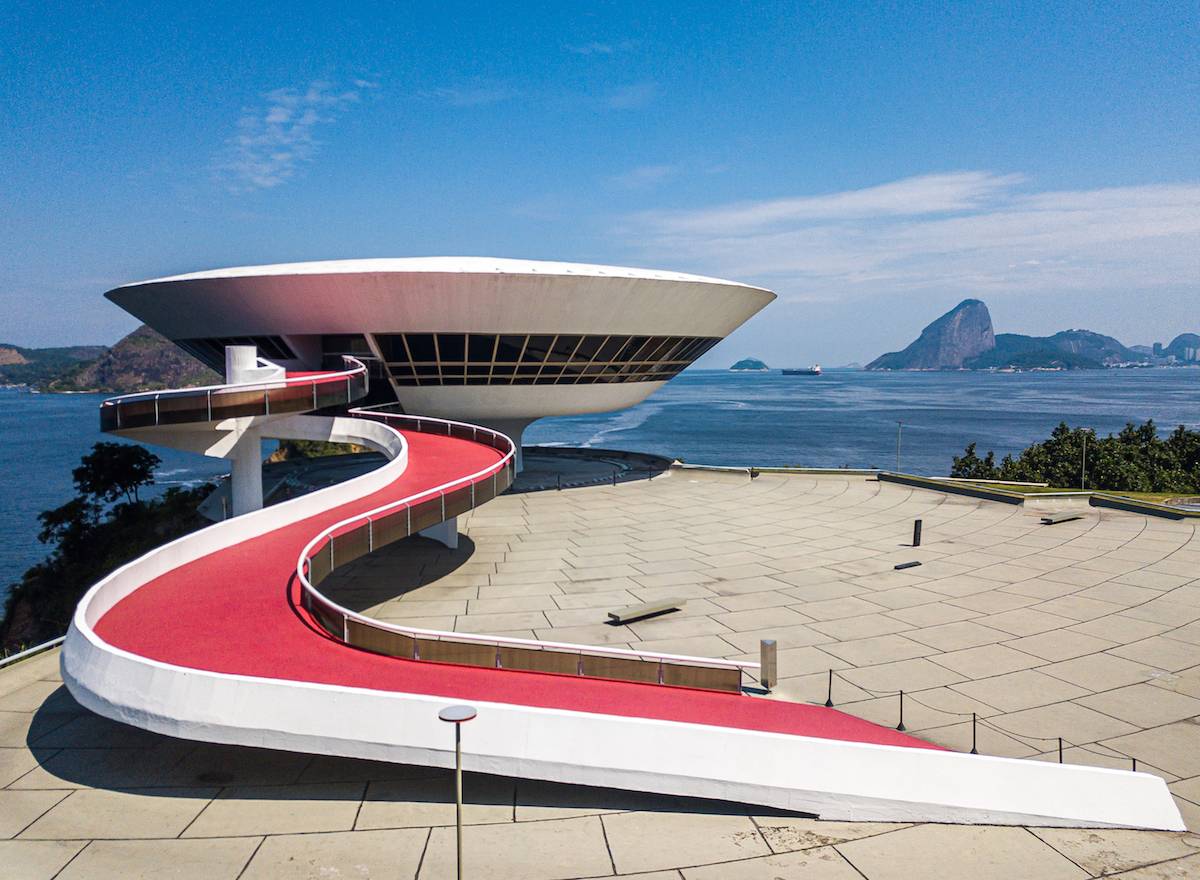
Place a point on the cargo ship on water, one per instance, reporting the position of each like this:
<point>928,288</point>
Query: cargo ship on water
<point>814,370</point>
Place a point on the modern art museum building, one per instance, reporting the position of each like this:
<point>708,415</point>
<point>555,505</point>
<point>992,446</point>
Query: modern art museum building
<point>499,342</point>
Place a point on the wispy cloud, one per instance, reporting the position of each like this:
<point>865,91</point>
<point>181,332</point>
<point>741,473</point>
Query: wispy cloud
<point>632,96</point>
<point>278,136</point>
<point>476,95</point>
<point>970,231</point>
<point>645,176</point>
<point>598,48</point>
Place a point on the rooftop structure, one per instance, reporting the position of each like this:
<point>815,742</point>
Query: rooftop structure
<point>1080,630</point>
<point>492,341</point>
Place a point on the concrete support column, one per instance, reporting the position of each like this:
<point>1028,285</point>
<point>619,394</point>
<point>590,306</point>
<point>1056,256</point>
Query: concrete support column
<point>444,533</point>
<point>245,480</point>
<point>245,458</point>
<point>513,429</point>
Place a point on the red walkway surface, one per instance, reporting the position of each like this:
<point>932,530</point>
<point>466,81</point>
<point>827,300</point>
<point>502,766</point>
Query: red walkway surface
<point>237,611</point>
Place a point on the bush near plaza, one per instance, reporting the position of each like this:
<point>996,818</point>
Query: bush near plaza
<point>104,526</point>
<point>1135,460</point>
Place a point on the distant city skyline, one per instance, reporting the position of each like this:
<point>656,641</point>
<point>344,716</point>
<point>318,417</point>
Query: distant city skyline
<point>872,166</point>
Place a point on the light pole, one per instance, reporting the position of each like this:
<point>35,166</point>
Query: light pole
<point>456,715</point>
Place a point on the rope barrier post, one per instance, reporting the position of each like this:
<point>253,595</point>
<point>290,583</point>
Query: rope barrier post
<point>916,533</point>
<point>1060,760</point>
<point>901,726</point>
<point>829,695</point>
<point>974,750</point>
<point>1134,764</point>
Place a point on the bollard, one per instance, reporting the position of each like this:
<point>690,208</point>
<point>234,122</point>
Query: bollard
<point>829,696</point>
<point>614,476</point>
<point>560,482</point>
<point>768,659</point>
<point>1134,764</point>
<point>974,751</point>
<point>1060,760</point>
<point>901,726</point>
<point>916,533</point>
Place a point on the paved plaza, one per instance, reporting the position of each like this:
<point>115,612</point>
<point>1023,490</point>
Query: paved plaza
<point>1086,630</point>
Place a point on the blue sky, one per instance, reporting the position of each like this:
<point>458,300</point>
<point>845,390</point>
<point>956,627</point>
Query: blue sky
<point>873,164</point>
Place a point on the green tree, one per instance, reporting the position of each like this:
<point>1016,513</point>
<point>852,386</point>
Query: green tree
<point>970,466</point>
<point>113,470</point>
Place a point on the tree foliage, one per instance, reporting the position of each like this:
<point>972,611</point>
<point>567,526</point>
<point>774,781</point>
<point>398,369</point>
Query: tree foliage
<point>89,537</point>
<point>1136,459</point>
<point>115,470</point>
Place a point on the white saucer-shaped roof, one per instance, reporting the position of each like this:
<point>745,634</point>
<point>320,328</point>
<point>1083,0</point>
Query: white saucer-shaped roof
<point>605,337</point>
<point>438,294</point>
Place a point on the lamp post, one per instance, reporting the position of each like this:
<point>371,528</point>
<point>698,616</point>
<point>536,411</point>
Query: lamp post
<point>456,715</point>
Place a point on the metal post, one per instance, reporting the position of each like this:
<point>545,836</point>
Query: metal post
<point>768,657</point>
<point>650,471</point>
<point>559,482</point>
<point>1060,760</point>
<point>974,750</point>
<point>1134,764</point>
<point>829,696</point>
<point>614,474</point>
<point>899,427</point>
<point>456,715</point>
<point>1083,468</point>
<point>901,726</point>
<point>916,533</point>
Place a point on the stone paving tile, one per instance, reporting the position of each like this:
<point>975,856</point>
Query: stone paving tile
<point>1144,705</point>
<point>1159,651</point>
<point>292,809</point>
<point>958,851</point>
<point>956,636</point>
<point>1024,689</point>
<point>418,803</point>
<point>1114,850</point>
<point>153,859</point>
<point>863,627</point>
<point>139,813</point>
<point>821,863</point>
<point>985,660</point>
<point>19,809</point>
<point>910,675</point>
<point>879,649</point>
<point>1060,645</point>
<point>339,854</point>
<point>1075,723</point>
<point>555,849</point>
<point>654,841</point>
<point>37,859</point>
<point>1174,747</point>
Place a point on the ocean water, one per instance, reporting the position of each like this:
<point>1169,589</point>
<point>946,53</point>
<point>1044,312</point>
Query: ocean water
<point>703,417</point>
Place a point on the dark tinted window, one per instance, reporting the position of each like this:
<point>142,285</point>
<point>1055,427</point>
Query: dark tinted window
<point>480,348</point>
<point>420,346</point>
<point>452,347</point>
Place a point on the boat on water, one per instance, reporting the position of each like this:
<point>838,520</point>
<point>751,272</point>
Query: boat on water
<point>814,370</point>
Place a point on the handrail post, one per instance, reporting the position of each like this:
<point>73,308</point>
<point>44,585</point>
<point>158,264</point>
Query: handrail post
<point>208,394</point>
<point>156,409</point>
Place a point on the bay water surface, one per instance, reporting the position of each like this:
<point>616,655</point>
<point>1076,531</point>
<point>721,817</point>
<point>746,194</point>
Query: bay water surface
<point>704,417</point>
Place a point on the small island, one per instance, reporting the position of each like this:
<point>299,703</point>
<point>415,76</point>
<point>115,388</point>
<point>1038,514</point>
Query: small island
<point>749,365</point>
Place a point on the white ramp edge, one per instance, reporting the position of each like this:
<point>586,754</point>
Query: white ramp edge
<point>832,779</point>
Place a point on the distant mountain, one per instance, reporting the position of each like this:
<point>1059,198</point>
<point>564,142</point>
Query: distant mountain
<point>1066,350</point>
<point>962,333</point>
<point>142,361</point>
<point>749,365</point>
<point>963,339</point>
<point>36,366</point>
<point>1184,347</point>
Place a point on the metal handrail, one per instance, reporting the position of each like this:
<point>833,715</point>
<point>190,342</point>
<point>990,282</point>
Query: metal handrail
<point>320,540</point>
<point>318,378</point>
